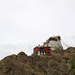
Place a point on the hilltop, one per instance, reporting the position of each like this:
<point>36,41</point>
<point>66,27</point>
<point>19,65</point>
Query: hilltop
<point>21,64</point>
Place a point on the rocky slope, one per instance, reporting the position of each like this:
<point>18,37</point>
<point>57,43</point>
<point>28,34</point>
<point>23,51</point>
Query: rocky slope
<point>21,64</point>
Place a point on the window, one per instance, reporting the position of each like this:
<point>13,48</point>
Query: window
<point>43,51</point>
<point>36,52</point>
<point>48,53</point>
<point>48,49</point>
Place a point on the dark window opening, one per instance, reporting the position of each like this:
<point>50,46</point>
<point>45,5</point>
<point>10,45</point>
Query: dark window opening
<point>48,49</point>
<point>48,53</point>
<point>43,51</point>
<point>36,52</point>
<point>59,38</point>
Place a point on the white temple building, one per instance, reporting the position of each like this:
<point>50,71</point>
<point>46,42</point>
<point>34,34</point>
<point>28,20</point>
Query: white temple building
<point>53,42</point>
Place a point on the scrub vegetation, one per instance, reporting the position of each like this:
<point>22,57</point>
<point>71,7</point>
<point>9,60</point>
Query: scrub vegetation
<point>58,64</point>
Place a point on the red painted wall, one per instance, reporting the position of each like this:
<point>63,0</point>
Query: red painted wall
<point>36,49</point>
<point>47,49</point>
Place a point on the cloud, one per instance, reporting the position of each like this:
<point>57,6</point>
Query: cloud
<point>33,22</point>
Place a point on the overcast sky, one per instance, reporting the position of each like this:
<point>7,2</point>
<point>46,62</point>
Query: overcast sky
<point>27,23</point>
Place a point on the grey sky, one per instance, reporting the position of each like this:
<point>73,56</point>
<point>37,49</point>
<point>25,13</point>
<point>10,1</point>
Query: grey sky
<point>25,24</point>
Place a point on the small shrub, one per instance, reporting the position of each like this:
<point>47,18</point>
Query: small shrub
<point>72,66</point>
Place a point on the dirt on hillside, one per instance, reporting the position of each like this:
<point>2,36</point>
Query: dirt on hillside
<point>21,64</point>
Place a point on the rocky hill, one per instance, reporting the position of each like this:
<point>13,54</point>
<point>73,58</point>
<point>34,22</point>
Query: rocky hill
<point>21,64</point>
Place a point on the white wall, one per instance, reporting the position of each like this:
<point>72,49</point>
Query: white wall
<point>55,44</point>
